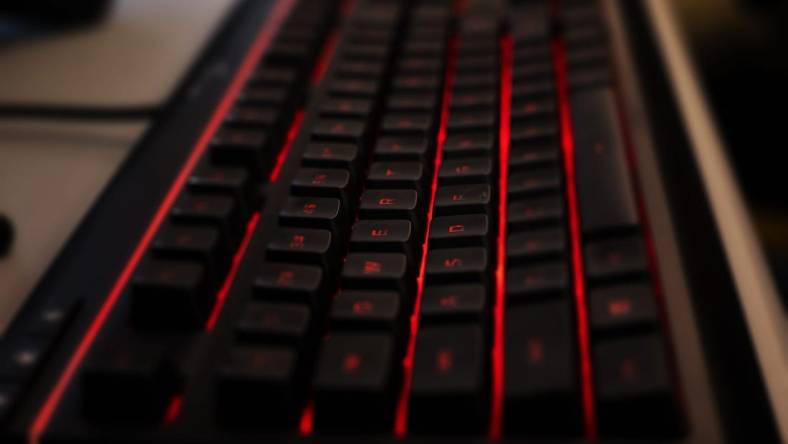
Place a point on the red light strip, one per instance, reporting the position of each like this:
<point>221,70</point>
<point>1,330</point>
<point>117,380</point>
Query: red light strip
<point>401,415</point>
<point>262,40</point>
<point>221,296</point>
<point>307,423</point>
<point>496,408</point>
<point>173,409</point>
<point>568,148</point>
<point>321,66</point>
<point>292,132</point>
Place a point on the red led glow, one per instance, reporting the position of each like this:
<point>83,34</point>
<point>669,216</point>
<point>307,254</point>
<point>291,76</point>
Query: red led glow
<point>568,149</point>
<point>262,40</point>
<point>307,423</point>
<point>401,416</point>
<point>496,407</point>
<point>173,409</point>
<point>321,66</point>
<point>292,132</point>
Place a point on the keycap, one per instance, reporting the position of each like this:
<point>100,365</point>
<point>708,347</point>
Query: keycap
<point>331,155</point>
<point>346,107</point>
<point>616,257</point>
<point>401,148</point>
<point>354,382</point>
<point>274,323</point>
<point>407,123</point>
<point>259,386</point>
<point>235,182</point>
<point>535,181</point>
<point>535,211</point>
<point>241,147</point>
<point>324,182</point>
<point>302,245</point>
<point>355,88</point>
<point>128,380</point>
<point>391,204</point>
<point>541,392</point>
<point>469,144</point>
<point>417,82</point>
<point>448,386</point>
<point>526,157</point>
<point>409,102</point>
<point>633,387</point>
<point>463,199</point>
<point>396,175</point>
<point>279,76</point>
<point>613,308</point>
<point>290,283</point>
<point>394,236</point>
<point>340,130</point>
<point>604,185</point>
<point>527,283</point>
<point>194,243</point>
<point>254,117</point>
<point>456,231</point>
<point>363,69</point>
<point>529,110</point>
<point>212,210</point>
<point>416,64</point>
<point>451,265</point>
<point>533,132</point>
<point>264,95</point>
<point>367,310</point>
<point>531,245</point>
<point>453,303</point>
<point>372,271</point>
<point>465,101</point>
<point>170,294</point>
<point>312,212</point>
<point>470,81</point>
<point>480,120</point>
<point>465,171</point>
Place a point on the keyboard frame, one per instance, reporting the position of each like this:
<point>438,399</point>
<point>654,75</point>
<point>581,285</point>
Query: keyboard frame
<point>714,348</point>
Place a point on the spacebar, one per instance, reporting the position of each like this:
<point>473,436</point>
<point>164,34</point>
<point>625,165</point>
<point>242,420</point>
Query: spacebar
<point>604,186</point>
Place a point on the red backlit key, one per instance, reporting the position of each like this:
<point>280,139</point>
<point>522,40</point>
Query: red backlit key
<point>312,212</point>
<point>452,265</point>
<point>385,271</point>
<point>528,156</point>
<point>448,387</point>
<point>391,204</point>
<point>451,303</point>
<point>394,236</point>
<point>541,386</point>
<point>367,310</point>
<point>424,102</point>
<point>279,76</point>
<point>470,144</point>
<point>346,107</point>
<point>253,117</point>
<point>229,181</point>
<point>465,171</point>
<point>241,147</point>
<point>354,382</point>
<point>617,257</point>
<point>274,323</point>
<point>194,243</point>
<point>460,231</point>
<point>417,82</point>
<point>331,155</point>
<point>410,123</point>
<point>479,120</point>
<point>340,130</point>
<point>396,175</point>
<point>466,101</point>
<point>534,211</point>
<point>530,282</point>
<point>170,294</point>
<point>621,307</point>
<point>218,211</point>
<point>355,88</point>
<point>534,244</point>
<point>324,182</point>
<point>289,283</point>
<point>463,199</point>
<point>402,148</point>
<point>264,95</point>
<point>302,245</point>
<point>534,132</point>
<point>535,181</point>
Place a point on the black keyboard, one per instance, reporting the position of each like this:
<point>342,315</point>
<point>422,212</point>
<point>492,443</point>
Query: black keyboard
<point>403,220</point>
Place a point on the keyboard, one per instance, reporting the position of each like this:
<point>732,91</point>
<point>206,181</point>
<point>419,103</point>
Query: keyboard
<point>403,221</point>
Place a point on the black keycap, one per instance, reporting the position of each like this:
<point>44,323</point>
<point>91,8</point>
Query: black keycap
<point>533,133</point>
<point>530,110</point>
<point>541,370</point>
<point>170,294</point>
<point>324,182</point>
<point>534,211</point>
<point>194,243</point>
<point>360,69</point>
<point>346,107</point>
<point>535,181</point>
<point>633,388</point>
<point>356,88</point>
<point>366,310</point>
<point>465,171</point>
<point>456,231</point>
<point>259,386</point>
<point>463,199</point>
<point>384,271</point>
<point>331,155</point>
<point>526,157</point>
<point>477,63</point>
<point>391,204</point>
<point>535,244</point>
<point>340,130</point>
<point>214,210</point>
<point>420,65</point>
<point>417,83</point>
<point>302,245</point>
<point>451,265</point>
<point>530,282</point>
<point>448,387</point>
<point>611,258</point>
<point>408,123</point>
<point>128,380</point>
<point>466,101</point>
<point>620,307</point>
<point>396,175</point>
<point>365,51</point>
<point>254,117</point>
<point>354,383</point>
<point>470,81</point>
<point>274,323</point>
<point>235,182</point>
<point>241,147</point>
<point>394,236</point>
<point>402,148</point>
<point>471,144</point>
<point>270,76</point>
<point>312,212</point>
<point>466,121</point>
<point>402,102</point>
<point>290,283</point>
<point>605,193</point>
<point>530,71</point>
<point>451,303</point>
<point>264,95</point>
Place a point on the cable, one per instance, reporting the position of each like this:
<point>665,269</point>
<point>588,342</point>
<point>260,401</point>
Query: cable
<point>78,112</point>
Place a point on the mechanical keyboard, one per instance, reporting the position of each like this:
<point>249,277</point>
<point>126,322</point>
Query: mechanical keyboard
<point>402,221</point>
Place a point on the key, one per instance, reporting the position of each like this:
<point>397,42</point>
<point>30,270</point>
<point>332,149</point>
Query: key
<point>331,155</point>
<point>634,389</point>
<point>365,51</point>
<point>212,210</point>
<point>618,257</point>
<point>408,124</point>
<point>621,307</point>
<point>312,212</point>
<point>467,101</point>
<point>535,181</point>
<point>453,265</point>
<point>477,63</point>
<point>355,88</point>
<point>253,117</point>
<point>535,244</point>
<point>420,65</point>
<point>605,193</point>
<point>479,144</point>
<point>417,82</point>
<point>193,243</point>
<point>366,310</point>
<point>302,245</point>
<point>533,281</point>
<point>531,71</point>
<point>533,133</point>
<point>324,182</point>
<point>402,148</point>
<point>452,303</point>
<point>346,108</point>
<point>340,130</point>
<point>534,211</point>
<point>354,383</point>
<point>448,387</point>
<point>391,204</point>
<point>373,271</point>
<point>465,171</point>
<point>471,81</point>
<point>419,103</point>
<point>290,283</point>
<point>457,231</point>
<point>396,175</point>
<point>541,378</point>
<point>534,110</point>
<point>526,157</point>
<point>274,323</point>
<point>269,76</point>
<point>235,182</point>
<point>361,69</point>
<point>462,199</point>
<point>264,95</point>
<point>170,294</point>
<point>394,236</point>
<point>259,386</point>
<point>480,120</point>
<point>128,380</point>
<point>242,147</point>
